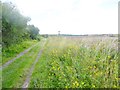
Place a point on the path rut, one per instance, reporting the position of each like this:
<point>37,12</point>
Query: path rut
<point>26,83</point>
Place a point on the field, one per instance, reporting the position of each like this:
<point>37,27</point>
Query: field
<point>66,62</point>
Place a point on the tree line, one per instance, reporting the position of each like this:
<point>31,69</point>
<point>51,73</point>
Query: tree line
<point>15,27</point>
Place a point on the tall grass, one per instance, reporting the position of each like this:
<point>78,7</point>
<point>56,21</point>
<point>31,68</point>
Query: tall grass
<point>77,62</point>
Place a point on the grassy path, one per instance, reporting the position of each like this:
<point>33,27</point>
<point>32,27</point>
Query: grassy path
<point>14,50</point>
<point>14,75</point>
<point>26,83</point>
<point>18,56</point>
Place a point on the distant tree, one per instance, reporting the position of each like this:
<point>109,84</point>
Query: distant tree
<point>46,36</point>
<point>33,31</point>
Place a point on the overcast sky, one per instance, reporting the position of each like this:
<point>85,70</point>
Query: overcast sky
<point>71,16</point>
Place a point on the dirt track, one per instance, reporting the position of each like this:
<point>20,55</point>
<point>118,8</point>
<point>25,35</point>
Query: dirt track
<point>26,83</point>
<point>18,56</point>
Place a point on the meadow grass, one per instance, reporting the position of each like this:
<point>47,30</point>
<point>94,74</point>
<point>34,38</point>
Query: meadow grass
<point>15,74</point>
<point>87,62</point>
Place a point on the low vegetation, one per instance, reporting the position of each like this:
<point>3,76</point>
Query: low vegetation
<point>77,63</point>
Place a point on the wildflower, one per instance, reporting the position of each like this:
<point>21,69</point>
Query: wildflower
<point>109,57</point>
<point>116,78</point>
<point>76,84</point>
<point>93,85</point>
<point>95,67</point>
<point>90,67</point>
<point>66,86</point>
<point>54,68</point>
<point>58,68</point>
<point>82,83</point>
